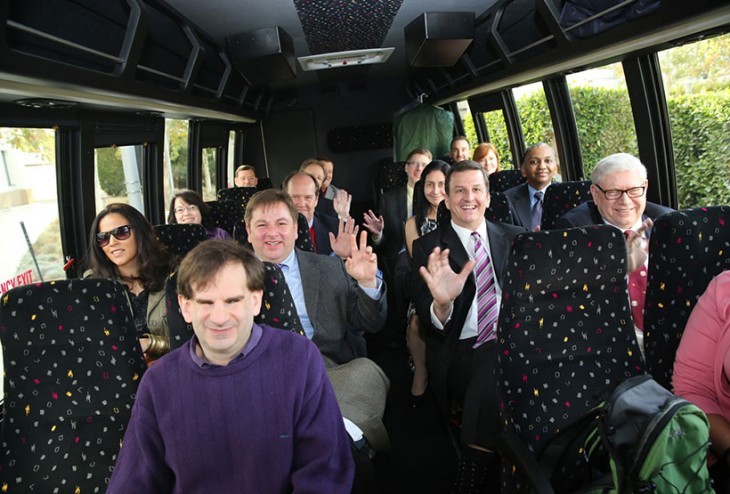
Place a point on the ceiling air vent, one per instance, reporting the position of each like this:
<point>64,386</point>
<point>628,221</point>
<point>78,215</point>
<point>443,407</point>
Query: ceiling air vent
<point>438,39</point>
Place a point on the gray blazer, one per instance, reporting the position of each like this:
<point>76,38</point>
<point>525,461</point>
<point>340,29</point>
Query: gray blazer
<point>340,312</point>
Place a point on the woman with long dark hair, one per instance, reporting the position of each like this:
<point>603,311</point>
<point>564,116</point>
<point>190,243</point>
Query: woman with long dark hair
<point>427,195</point>
<point>188,207</point>
<point>123,247</point>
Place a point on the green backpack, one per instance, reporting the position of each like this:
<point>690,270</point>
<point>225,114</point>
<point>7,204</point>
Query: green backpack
<point>642,440</point>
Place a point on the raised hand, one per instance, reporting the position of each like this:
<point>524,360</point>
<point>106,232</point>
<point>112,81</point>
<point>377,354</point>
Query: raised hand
<point>373,224</point>
<point>443,283</point>
<point>341,244</point>
<point>362,264</point>
<point>637,254</point>
<point>341,203</point>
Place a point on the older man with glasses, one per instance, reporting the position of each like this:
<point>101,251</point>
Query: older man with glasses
<point>619,199</point>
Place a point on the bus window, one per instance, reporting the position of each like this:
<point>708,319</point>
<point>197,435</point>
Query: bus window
<point>175,158</point>
<point>231,165</point>
<point>696,79</point>
<point>534,115</point>
<point>118,176</point>
<point>209,159</point>
<point>497,129</point>
<point>32,248</point>
<point>466,118</point>
<point>602,114</point>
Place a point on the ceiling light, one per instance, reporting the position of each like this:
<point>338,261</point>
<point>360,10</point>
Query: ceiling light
<point>345,58</point>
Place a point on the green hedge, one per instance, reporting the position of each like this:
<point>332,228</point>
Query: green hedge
<point>700,126</point>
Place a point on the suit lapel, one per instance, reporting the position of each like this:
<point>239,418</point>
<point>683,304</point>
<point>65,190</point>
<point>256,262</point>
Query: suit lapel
<point>499,250</point>
<point>310,278</point>
<point>457,258</point>
<point>523,206</point>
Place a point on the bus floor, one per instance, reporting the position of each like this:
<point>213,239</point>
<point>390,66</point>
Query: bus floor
<point>422,458</point>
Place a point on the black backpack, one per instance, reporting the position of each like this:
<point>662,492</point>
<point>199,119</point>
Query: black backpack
<point>641,440</point>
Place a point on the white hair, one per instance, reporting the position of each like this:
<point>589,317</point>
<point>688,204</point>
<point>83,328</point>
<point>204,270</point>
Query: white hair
<point>619,162</point>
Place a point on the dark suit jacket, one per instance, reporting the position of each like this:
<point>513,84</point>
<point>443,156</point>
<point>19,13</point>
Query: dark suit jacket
<point>394,208</point>
<point>587,214</point>
<point>339,310</point>
<point>520,203</point>
<point>323,225</point>
<point>442,344</point>
<point>325,207</point>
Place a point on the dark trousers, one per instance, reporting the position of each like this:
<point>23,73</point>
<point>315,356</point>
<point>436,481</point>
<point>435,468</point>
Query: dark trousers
<point>472,384</point>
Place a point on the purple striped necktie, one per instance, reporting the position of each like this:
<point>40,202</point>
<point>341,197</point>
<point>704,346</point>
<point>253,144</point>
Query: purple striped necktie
<point>487,307</point>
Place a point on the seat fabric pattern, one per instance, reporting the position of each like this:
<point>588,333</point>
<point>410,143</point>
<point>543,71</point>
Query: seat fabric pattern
<point>72,366</point>
<point>560,198</point>
<point>565,332</point>
<point>505,179</point>
<point>277,307</point>
<point>687,249</point>
<point>240,197</point>
<point>180,238</point>
<point>391,174</point>
<point>224,214</point>
<point>498,209</point>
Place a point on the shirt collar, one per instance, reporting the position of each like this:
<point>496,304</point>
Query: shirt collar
<point>256,333</point>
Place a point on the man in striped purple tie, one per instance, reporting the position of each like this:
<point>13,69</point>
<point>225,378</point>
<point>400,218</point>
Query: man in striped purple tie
<point>457,293</point>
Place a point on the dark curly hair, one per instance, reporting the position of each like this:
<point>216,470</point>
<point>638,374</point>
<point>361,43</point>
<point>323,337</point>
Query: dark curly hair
<point>154,261</point>
<point>192,197</point>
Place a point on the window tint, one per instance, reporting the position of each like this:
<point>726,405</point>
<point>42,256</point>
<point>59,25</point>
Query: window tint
<point>175,158</point>
<point>209,173</point>
<point>602,114</point>
<point>696,79</point>
<point>118,176</point>
<point>534,115</point>
<point>32,248</point>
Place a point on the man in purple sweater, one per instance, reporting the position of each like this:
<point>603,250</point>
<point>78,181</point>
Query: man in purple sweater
<point>240,407</point>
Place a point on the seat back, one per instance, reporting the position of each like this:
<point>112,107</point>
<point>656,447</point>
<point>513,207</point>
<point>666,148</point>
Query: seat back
<point>303,241</point>
<point>72,366</point>
<point>240,197</point>
<point>264,183</point>
<point>498,210</point>
<point>565,331</point>
<point>560,198</point>
<point>224,214</point>
<point>505,179</point>
<point>391,174</point>
<point>180,238</point>
<point>686,250</point>
<point>277,307</point>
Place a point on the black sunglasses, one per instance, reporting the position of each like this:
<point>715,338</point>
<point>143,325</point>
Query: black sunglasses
<point>120,233</point>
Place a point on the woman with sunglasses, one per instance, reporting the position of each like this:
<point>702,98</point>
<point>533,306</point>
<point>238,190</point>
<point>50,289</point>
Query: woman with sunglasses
<point>188,207</point>
<point>123,247</point>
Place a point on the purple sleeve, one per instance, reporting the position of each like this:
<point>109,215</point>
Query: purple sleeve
<point>218,233</point>
<point>140,467</point>
<point>322,457</point>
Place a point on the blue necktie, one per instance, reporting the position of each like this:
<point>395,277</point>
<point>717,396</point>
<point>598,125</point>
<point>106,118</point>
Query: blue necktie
<point>536,214</point>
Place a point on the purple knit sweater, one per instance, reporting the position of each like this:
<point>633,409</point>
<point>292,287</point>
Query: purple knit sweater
<point>266,424</point>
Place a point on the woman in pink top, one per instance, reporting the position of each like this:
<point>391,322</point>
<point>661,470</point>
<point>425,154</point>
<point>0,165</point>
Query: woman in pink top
<point>702,366</point>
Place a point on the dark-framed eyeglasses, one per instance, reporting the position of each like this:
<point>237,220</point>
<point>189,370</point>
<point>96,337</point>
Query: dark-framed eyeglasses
<point>613,194</point>
<point>120,233</point>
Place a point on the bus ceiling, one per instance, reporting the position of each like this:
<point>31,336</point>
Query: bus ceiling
<point>233,59</point>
